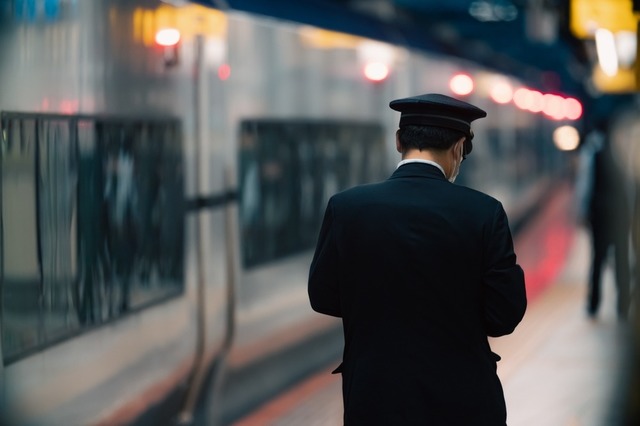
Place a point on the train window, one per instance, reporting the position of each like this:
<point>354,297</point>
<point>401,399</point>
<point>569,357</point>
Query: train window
<point>92,223</point>
<point>289,169</point>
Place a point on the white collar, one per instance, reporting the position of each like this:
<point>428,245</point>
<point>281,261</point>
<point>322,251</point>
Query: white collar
<point>419,160</point>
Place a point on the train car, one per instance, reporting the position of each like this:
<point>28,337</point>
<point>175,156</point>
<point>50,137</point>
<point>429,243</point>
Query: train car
<point>164,170</point>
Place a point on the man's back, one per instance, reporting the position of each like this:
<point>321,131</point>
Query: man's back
<point>421,272</point>
<point>416,256</point>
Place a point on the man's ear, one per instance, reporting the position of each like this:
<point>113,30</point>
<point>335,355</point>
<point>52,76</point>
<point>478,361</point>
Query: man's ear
<point>458,146</point>
<point>398,145</point>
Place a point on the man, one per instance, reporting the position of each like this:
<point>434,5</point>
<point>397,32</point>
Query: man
<point>421,271</point>
<point>604,206</point>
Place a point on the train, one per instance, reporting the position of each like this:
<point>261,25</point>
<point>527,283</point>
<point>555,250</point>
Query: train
<point>164,170</point>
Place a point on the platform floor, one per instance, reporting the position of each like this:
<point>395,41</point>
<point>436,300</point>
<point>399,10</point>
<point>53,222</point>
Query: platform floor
<point>559,368</point>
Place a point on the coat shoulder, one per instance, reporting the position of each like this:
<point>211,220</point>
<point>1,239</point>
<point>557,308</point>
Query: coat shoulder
<point>478,196</point>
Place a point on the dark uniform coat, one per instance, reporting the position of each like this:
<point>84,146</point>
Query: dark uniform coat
<point>421,271</point>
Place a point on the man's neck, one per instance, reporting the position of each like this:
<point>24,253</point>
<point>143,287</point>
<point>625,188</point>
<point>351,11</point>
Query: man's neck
<point>435,156</point>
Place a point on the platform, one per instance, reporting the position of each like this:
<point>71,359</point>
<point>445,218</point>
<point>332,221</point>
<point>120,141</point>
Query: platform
<point>559,368</point>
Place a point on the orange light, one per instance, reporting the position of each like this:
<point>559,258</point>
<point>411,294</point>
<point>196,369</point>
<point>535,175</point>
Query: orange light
<point>461,84</point>
<point>376,71</point>
<point>566,138</point>
<point>168,37</point>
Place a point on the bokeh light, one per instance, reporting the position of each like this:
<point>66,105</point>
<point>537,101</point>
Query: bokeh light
<point>376,71</point>
<point>566,138</point>
<point>461,84</point>
<point>168,37</point>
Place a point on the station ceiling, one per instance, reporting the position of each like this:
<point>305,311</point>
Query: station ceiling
<point>529,39</point>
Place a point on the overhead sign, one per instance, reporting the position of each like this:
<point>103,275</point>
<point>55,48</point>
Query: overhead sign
<point>586,16</point>
<point>623,82</point>
<point>188,20</point>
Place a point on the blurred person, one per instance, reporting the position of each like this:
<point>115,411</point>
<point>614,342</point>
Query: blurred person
<point>635,237</point>
<point>625,409</point>
<point>421,271</point>
<point>604,208</point>
<point>633,390</point>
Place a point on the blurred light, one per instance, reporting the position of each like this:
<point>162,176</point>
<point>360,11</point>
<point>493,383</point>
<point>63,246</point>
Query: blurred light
<point>530,100</point>
<point>325,39</point>
<point>536,101</point>
<point>69,106</point>
<point>626,44</point>
<point>624,81</point>
<point>377,59</point>
<point>224,72</point>
<point>375,51</point>
<point>606,50</point>
<point>566,138</point>
<point>461,84</point>
<point>553,106</point>
<point>501,92</point>
<point>493,11</point>
<point>168,37</point>
<point>189,20</point>
<point>572,109</point>
<point>215,51</point>
<point>585,16</point>
<point>520,98</point>
<point>376,71</point>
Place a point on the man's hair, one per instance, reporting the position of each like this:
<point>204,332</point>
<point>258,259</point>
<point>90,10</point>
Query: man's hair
<point>428,137</point>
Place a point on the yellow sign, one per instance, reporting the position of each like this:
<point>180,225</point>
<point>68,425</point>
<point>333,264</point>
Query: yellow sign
<point>189,20</point>
<point>325,39</point>
<point>623,82</point>
<point>589,15</point>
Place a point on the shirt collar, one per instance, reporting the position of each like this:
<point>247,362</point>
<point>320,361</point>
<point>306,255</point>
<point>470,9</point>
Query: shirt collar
<point>419,160</point>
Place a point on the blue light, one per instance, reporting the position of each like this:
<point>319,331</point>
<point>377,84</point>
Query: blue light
<point>51,9</point>
<point>24,10</point>
<point>32,10</point>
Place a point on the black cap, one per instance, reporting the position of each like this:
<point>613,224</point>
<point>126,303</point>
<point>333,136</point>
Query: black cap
<point>438,110</point>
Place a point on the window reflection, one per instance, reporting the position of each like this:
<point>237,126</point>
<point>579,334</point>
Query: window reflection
<point>92,223</point>
<point>288,171</point>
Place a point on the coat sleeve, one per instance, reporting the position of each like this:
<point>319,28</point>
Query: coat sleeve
<point>505,298</point>
<point>324,292</point>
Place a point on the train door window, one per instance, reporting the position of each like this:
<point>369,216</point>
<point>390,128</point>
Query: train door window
<point>56,177</point>
<point>21,285</point>
<point>288,170</point>
<point>131,232</point>
<point>92,223</point>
